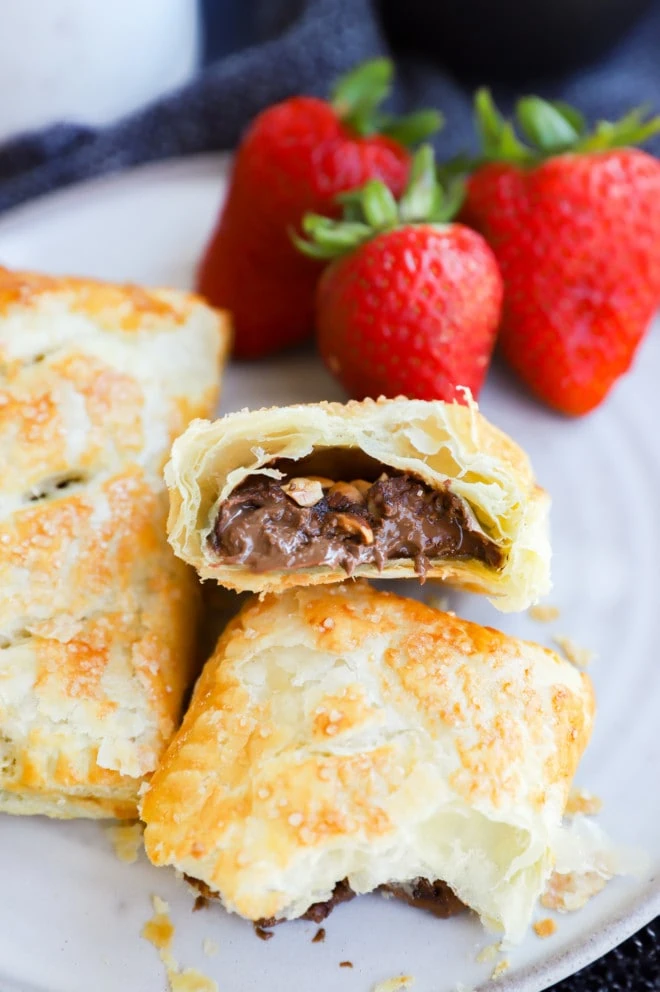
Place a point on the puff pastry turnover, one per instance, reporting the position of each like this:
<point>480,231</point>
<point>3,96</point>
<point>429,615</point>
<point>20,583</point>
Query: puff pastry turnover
<point>426,488</point>
<point>97,616</point>
<point>344,739</point>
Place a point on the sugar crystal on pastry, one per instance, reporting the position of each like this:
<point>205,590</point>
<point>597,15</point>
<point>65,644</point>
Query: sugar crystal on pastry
<point>400,747</point>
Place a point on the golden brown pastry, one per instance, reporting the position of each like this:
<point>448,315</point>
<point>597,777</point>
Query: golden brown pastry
<point>263,500</point>
<point>344,739</point>
<point>97,617</point>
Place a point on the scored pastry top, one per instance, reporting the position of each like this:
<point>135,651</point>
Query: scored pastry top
<point>349,734</point>
<point>453,461</point>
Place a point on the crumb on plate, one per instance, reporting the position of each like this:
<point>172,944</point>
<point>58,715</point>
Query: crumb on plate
<point>159,931</point>
<point>488,952</point>
<point>209,947</point>
<point>126,838</point>
<point>345,964</point>
<point>438,602</point>
<point>499,969</point>
<point>395,984</point>
<point>570,892</point>
<point>581,801</point>
<point>545,927</point>
<point>319,936</point>
<point>543,613</point>
<point>191,980</point>
<point>580,657</point>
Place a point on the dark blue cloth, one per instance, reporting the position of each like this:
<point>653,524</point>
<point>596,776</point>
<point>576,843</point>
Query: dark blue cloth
<point>305,43</point>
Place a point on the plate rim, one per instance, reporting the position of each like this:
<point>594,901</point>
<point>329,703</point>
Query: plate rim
<point>186,167</point>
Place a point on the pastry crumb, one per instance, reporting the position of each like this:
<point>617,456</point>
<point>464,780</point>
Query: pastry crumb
<point>395,984</point>
<point>568,893</point>
<point>545,928</point>
<point>126,838</point>
<point>345,964</point>
<point>263,934</point>
<point>488,952</point>
<point>209,947</point>
<point>319,936</point>
<point>159,931</point>
<point>438,602</point>
<point>191,980</point>
<point>581,801</point>
<point>543,613</point>
<point>580,657</point>
<point>499,969</point>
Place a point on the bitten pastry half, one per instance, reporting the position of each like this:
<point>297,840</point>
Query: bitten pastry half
<point>342,740</point>
<point>268,499</point>
<point>97,616</point>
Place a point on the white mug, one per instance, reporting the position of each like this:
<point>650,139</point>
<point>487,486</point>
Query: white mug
<point>90,61</point>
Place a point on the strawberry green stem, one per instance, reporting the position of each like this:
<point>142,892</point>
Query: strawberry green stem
<point>357,96</point>
<point>372,209</point>
<point>548,128</point>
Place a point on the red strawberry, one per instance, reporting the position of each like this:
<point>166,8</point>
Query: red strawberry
<point>296,157</point>
<point>574,221</point>
<point>413,307</point>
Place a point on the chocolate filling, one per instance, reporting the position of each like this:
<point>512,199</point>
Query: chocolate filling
<point>265,524</point>
<point>433,897</point>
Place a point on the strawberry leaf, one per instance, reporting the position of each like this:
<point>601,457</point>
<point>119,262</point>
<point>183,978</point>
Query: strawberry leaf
<point>351,204</point>
<point>423,193</point>
<point>378,205</point>
<point>574,117</point>
<point>411,128</point>
<point>631,129</point>
<point>498,136</point>
<point>372,210</point>
<point>328,238</point>
<point>488,120</point>
<point>450,203</point>
<point>551,128</point>
<point>544,126</point>
<point>356,95</point>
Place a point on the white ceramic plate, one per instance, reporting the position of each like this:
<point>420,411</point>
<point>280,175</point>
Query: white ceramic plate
<point>71,914</point>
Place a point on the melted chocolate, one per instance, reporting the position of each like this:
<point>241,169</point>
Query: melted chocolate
<point>260,526</point>
<point>434,897</point>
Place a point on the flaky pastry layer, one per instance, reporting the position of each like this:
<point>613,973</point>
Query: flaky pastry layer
<point>347,733</point>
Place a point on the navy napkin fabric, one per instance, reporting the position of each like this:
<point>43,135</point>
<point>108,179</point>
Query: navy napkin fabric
<point>303,45</point>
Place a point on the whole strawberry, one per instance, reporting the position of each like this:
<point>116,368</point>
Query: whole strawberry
<point>411,303</point>
<point>574,221</point>
<point>296,157</point>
